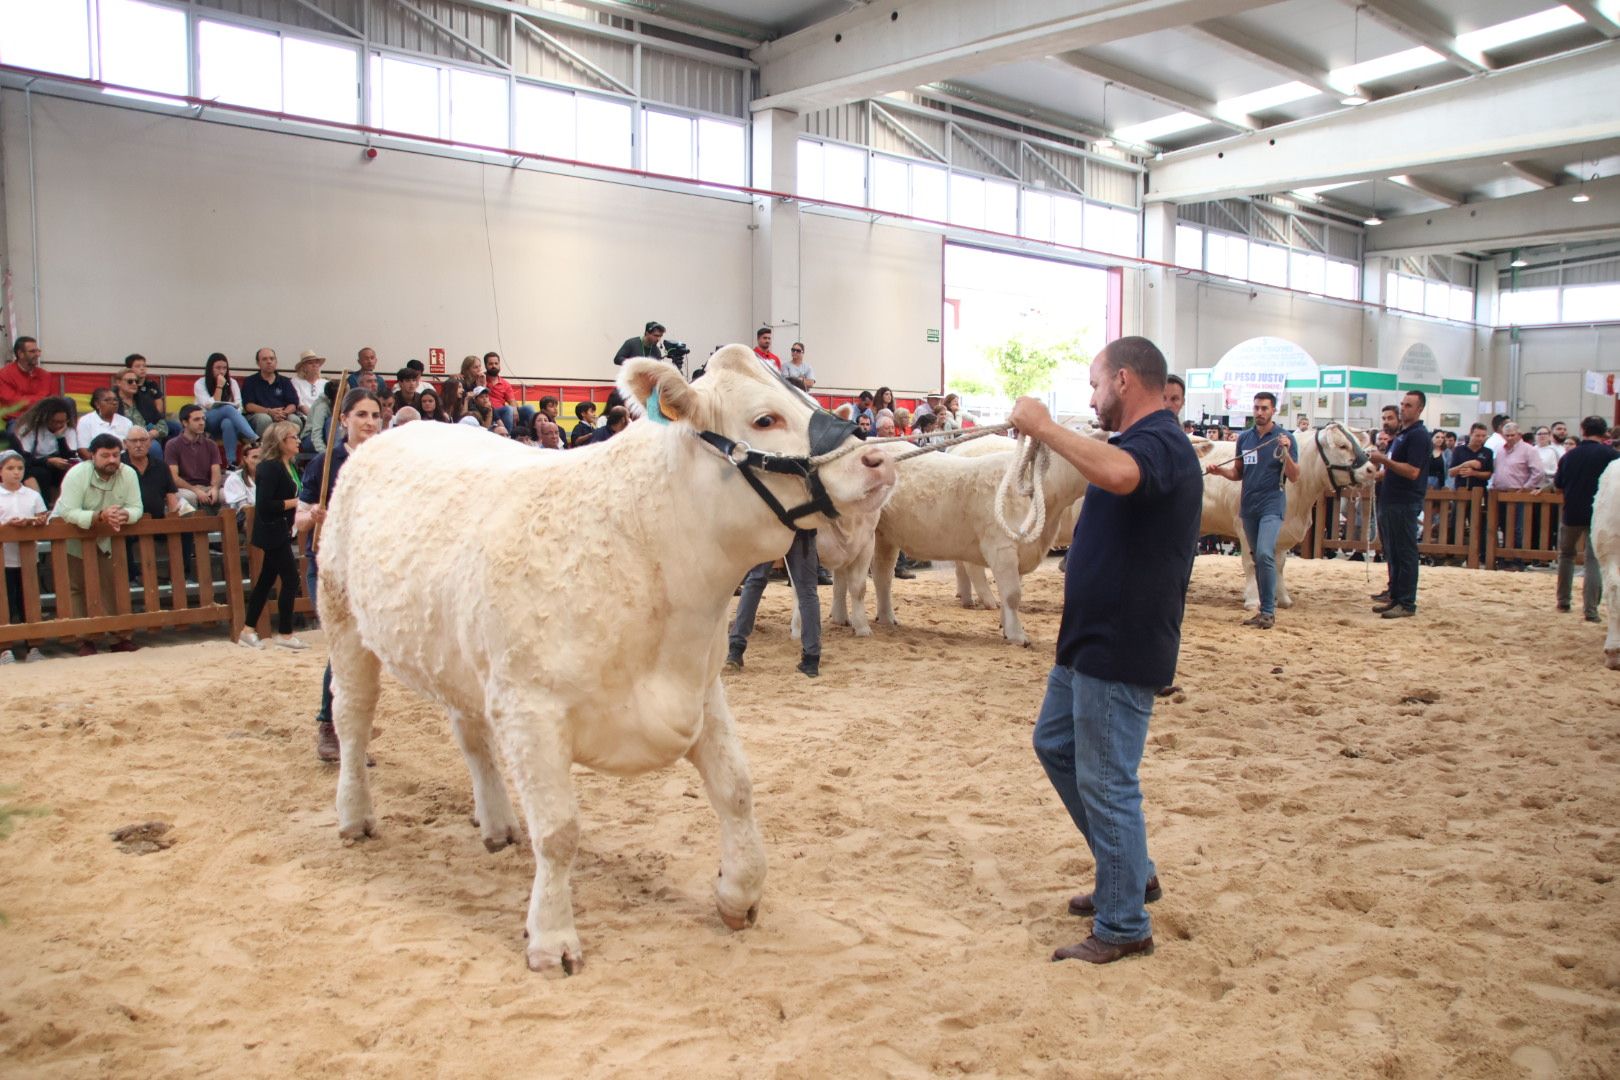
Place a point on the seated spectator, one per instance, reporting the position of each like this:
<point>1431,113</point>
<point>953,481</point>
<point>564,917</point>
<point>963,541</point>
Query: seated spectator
<point>539,430</point>
<point>950,413</point>
<point>275,504</point>
<point>268,397</point>
<point>480,413</point>
<point>159,495</point>
<point>427,403</point>
<point>306,379</point>
<point>49,442</point>
<point>195,461</point>
<point>101,492</point>
<point>369,380</point>
<point>418,367</point>
<point>237,491</point>
<point>220,398</point>
<point>19,505</point>
<point>102,420</point>
<point>885,424</point>
<point>405,416</point>
<point>926,423</point>
<point>320,420</point>
<point>614,421</point>
<point>385,409</point>
<point>142,400</point>
<point>585,413</point>
<point>407,384</point>
<point>902,422</point>
<point>503,397</point>
<point>23,381</point>
<point>367,359</point>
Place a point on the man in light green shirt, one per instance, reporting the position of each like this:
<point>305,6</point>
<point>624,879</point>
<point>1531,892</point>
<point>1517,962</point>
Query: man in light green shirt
<point>103,492</point>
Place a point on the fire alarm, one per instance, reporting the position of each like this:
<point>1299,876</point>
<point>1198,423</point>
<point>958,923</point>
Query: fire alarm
<point>371,153</point>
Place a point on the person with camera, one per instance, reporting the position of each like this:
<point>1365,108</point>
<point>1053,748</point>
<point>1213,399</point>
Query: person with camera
<point>645,344</point>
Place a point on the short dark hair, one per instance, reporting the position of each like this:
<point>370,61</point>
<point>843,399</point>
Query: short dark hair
<point>356,396</point>
<point>491,353</point>
<point>1168,379</point>
<point>653,327</point>
<point>17,346</point>
<point>106,441</point>
<point>129,361</point>
<point>865,395</point>
<point>99,392</point>
<point>1264,395</point>
<point>1595,426</point>
<point>617,413</point>
<point>1389,408</point>
<point>1498,420</point>
<point>761,331</point>
<point>187,410</point>
<point>1140,357</point>
<point>1477,426</point>
<point>415,365</point>
<point>582,408</point>
<point>406,372</point>
<point>547,400</point>
<point>1423,399</point>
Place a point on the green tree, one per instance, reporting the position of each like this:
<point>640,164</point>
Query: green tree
<point>1026,367</point>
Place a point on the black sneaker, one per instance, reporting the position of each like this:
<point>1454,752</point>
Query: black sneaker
<point>810,665</point>
<point>904,573</point>
<point>734,661</point>
<point>823,577</point>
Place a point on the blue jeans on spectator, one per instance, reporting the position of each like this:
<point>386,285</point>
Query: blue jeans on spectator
<point>1260,533</point>
<point>801,567</point>
<point>1089,737</point>
<point>1398,532</point>
<point>524,417</point>
<point>227,422</point>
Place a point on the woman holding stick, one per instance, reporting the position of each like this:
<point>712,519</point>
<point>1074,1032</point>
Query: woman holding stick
<point>359,419</point>
<point>275,501</point>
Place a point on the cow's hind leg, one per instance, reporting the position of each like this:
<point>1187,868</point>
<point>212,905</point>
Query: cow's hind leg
<point>1282,597</point>
<point>1251,587</point>
<point>719,760</point>
<point>492,807</point>
<point>1003,561</point>
<point>883,556</point>
<point>356,677</point>
<point>980,584</point>
<point>850,583</point>
<point>535,751</point>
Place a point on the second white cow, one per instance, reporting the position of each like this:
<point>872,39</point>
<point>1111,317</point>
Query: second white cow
<point>1606,543</point>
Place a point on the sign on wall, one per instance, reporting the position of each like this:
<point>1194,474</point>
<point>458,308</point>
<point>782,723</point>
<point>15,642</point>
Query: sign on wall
<point>1603,383</point>
<point>435,361</point>
<point>1419,368</point>
<point>1262,363</point>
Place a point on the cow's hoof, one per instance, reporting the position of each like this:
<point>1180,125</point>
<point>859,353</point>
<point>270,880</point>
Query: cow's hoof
<point>359,830</point>
<point>1612,658</point>
<point>558,959</point>
<point>740,922</point>
<point>863,631</point>
<point>1284,602</point>
<point>493,844</point>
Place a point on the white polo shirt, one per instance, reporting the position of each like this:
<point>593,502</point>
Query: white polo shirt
<point>91,425</point>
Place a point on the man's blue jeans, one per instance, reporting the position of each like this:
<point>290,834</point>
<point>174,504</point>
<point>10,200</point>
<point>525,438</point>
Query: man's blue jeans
<point>1260,533</point>
<point>1089,737</point>
<point>1398,532</point>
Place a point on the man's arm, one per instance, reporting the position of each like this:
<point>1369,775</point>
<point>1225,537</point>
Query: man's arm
<point>215,479</point>
<point>1109,467</point>
<point>128,493</point>
<point>70,502</point>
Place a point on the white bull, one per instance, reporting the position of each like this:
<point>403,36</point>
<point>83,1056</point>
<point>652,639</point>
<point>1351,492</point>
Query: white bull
<point>1223,497</point>
<point>1606,544</point>
<point>675,528</point>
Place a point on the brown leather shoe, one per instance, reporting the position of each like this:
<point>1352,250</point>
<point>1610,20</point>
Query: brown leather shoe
<point>1379,609</point>
<point>326,743</point>
<point>1094,950</point>
<point>1081,903</point>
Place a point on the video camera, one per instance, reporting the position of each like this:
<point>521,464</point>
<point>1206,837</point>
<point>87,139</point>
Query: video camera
<point>676,352</point>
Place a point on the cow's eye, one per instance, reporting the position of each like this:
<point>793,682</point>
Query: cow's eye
<point>765,421</point>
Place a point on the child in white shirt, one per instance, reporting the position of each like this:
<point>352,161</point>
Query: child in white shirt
<point>19,505</point>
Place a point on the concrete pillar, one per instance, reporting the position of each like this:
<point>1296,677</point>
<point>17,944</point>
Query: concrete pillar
<point>1159,283</point>
<point>776,225</point>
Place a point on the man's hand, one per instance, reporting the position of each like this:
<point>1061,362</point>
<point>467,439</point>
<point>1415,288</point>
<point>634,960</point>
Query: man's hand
<point>1029,416</point>
<point>59,463</point>
<point>1378,457</point>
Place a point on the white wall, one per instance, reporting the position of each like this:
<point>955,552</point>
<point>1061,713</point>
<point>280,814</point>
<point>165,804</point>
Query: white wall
<point>869,295</point>
<point>175,238</point>
<point>1553,362</point>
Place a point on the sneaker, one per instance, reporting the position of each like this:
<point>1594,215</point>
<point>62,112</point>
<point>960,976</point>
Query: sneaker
<point>810,665</point>
<point>1398,612</point>
<point>823,577</point>
<point>7,658</point>
<point>34,656</point>
<point>1264,622</point>
<point>1381,598</point>
<point>326,742</point>
<point>1387,605</point>
<point>248,638</point>
<point>734,660</point>
<point>88,648</point>
<point>1591,616</point>
<point>1563,607</point>
<point>287,641</point>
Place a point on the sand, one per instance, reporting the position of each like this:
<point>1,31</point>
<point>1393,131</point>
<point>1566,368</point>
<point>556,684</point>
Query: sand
<point>1388,849</point>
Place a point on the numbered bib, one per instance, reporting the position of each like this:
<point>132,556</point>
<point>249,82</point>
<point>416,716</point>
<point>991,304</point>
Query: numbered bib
<point>1251,458</point>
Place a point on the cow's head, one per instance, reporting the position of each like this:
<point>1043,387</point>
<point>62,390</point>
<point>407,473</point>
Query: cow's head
<point>785,445</point>
<point>1345,456</point>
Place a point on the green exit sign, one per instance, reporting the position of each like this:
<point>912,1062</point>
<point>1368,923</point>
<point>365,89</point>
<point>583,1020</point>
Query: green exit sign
<point>933,336</point>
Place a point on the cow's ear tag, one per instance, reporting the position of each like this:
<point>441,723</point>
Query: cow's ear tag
<point>655,408</point>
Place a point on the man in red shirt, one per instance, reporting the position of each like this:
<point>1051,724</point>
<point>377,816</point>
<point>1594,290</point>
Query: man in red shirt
<point>762,348</point>
<point>503,395</point>
<point>23,381</point>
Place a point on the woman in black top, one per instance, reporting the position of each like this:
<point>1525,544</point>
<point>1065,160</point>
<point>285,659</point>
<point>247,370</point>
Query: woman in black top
<point>275,500</point>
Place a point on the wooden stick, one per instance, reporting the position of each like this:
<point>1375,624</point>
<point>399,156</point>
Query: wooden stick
<point>331,448</point>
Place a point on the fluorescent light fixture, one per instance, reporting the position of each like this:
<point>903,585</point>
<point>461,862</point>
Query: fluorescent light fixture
<point>1374,220</point>
<point>1383,67</point>
<point>1269,98</point>
<point>1580,196</point>
<point>1515,30</point>
<point>1317,189</point>
<point>1164,126</point>
<point>1520,263</point>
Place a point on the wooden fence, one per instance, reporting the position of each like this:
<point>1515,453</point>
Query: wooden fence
<point>1455,525</point>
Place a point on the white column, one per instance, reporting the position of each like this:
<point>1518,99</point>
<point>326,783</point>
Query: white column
<point>1159,282</point>
<point>776,225</point>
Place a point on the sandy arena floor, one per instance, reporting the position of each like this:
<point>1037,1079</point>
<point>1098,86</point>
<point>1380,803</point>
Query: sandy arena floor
<point>1388,849</point>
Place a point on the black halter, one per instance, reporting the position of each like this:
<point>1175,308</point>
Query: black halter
<point>1360,459</point>
<point>827,433</point>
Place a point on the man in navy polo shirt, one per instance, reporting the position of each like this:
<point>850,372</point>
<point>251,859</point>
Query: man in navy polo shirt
<point>269,397</point>
<point>1266,455</point>
<point>1124,593</point>
<point>1577,477</point>
<point>1400,500</point>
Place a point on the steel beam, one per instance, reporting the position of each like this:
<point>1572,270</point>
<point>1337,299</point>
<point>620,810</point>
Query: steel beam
<point>1157,90</point>
<point>874,49</point>
<point>1536,217</point>
<point>1421,27</point>
<point>1274,55</point>
<point>1538,176</point>
<point>1428,189</point>
<point>1561,102</point>
<point>1594,16</point>
<point>460,39</point>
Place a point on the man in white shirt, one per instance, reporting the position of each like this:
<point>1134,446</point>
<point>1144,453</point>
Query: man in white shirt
<point>1496,440</point>
<point>103,419</point>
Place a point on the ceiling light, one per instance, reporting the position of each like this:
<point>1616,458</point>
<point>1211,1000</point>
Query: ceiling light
<point>1515,30</point>
<point>1383,67</point>
<point>1352,99</point>
<point>1164,126</point>
<point>1374,220</point>
<point>1580,196</point>
<point>1519,263</point>
<point>1269,98</point>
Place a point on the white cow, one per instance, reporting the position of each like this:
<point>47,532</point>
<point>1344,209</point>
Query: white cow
<point>1223,497</point>
<point>674,527</point>
<point>1606,543</point>
<point>944,508</point>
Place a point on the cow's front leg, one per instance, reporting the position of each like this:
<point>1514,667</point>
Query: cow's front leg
<point>720,762</point>
<point>980,583</point>
<point>539,759</point>
<point>1283,599</point>
<point>1251,587</point>
<point>849,584</point>
<point>1611,583</point>
<point>1003,562</point>
<point>883,556</point>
